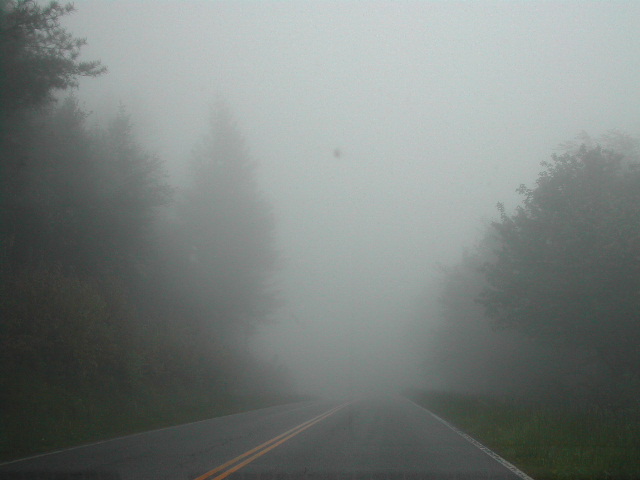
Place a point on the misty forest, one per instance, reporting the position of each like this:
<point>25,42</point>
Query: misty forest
<point>319,211</point>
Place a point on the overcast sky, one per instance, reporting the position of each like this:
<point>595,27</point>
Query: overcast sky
<point>439,110</point>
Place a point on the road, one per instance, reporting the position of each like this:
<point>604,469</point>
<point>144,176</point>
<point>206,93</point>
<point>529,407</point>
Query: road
<point>384,437</point>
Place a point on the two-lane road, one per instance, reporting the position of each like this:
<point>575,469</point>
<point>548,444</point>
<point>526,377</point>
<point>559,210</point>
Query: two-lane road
<point>378,437</point>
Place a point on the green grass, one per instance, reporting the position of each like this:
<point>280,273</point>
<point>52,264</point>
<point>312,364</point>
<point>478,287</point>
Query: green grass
<point>39,417</point>
<point>547,443</point>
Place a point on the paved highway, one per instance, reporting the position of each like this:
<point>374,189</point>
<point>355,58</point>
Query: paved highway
<point>366,438</point>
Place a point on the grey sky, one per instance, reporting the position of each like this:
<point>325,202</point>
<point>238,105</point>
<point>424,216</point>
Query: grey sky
<point>440,110</point>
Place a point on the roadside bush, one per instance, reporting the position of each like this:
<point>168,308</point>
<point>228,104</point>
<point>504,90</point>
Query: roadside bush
<point>59,326</point>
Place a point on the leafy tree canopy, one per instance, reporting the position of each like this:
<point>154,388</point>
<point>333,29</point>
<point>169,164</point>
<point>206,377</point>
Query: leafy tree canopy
<point>38,55</point>
<point>568,266</point>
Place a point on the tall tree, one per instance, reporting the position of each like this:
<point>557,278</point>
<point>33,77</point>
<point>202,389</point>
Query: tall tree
<point>90,197</point>
<point>132,188</point>
<point>37,55</point>
<point>568,266</point>
<point>228,230</point>
<point>89,202</point>
<point>57,185</point>
<point>464,351</point>
<point>37,58</point>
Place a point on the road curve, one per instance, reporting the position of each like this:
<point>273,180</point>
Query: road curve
<point>385,437</point>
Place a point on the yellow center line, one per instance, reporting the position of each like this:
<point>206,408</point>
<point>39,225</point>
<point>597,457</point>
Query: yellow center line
<point>267,446</point>
<point>253,450</point>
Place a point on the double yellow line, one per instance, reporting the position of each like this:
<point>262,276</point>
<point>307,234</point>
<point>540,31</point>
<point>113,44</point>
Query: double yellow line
<point>240,461</point>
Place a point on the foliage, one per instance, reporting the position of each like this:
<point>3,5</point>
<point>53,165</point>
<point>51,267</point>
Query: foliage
<point>129,192</point>
<point>88,200</point>
<point>546,306</point>
<point>568,267</point>
<point>59,326</point>
<point>227,229</point>
<point>209,286</point>
<point>38,55</point>
<point>107,297</point>
<point>464,352</point>
<point>60,417</point>
<point>99,302</point>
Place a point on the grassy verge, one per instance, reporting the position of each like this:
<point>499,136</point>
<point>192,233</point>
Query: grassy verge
<point>547,443</point>
<point>44,418</point>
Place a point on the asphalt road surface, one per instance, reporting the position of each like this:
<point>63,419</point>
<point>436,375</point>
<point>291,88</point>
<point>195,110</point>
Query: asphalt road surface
<point>365,438</point>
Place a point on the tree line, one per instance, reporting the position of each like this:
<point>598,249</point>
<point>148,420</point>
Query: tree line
<point>548,303</point>
<point>111,278</point>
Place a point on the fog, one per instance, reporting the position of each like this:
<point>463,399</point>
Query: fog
<point>385,135</point>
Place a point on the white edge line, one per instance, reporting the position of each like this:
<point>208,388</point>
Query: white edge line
<point>107,440</point>
<point>476,443</point>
